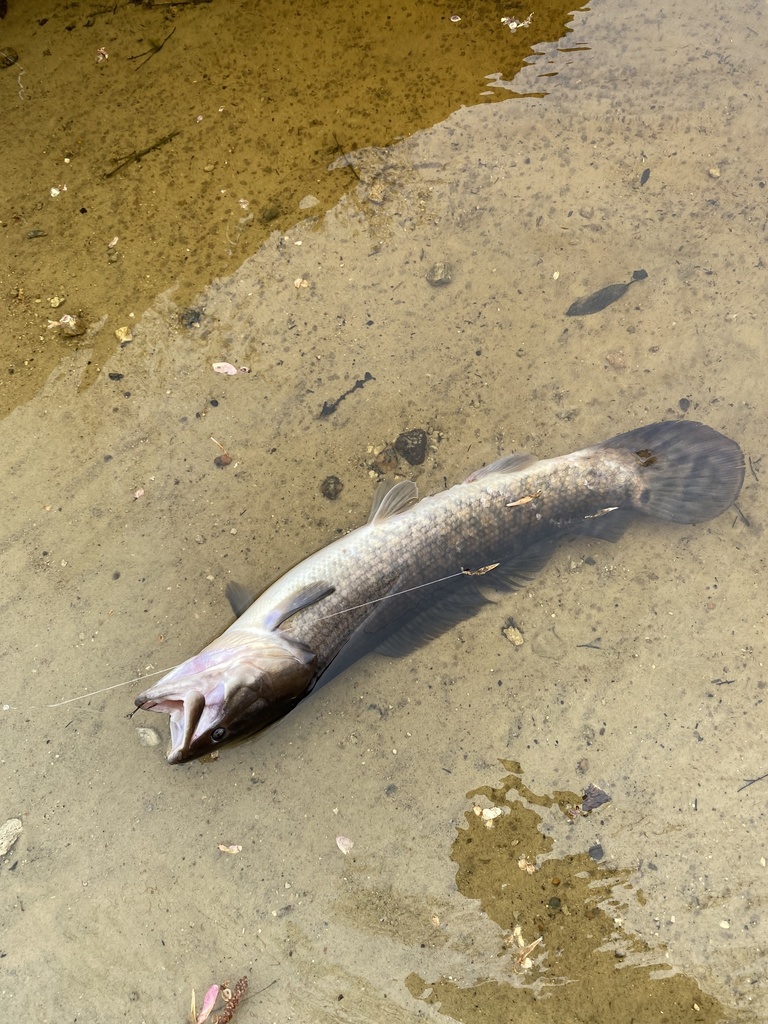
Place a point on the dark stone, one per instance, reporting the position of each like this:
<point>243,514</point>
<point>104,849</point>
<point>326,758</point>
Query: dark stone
<point>412,446</point>
<point>331,488</point>
<point>191,317</point>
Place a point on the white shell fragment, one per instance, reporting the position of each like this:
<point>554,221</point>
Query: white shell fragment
<point>489,813</point>
<point>344,844</point>
<point>227,368</point>
<point>147,736</point>
<point>10,831</point>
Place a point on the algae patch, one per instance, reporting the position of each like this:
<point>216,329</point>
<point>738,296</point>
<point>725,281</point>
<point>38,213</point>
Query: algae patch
<point>568,957</point>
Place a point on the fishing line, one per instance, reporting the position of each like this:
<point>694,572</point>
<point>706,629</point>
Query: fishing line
<point>343,611</point>
<point>419,586</point>
<point>93,693</point>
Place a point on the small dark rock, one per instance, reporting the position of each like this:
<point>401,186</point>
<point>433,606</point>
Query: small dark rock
<point>270,213</point>
<point>684,404</point>
<point>191,317</point>
<point>8,57</point>
<point>594,798</point>
<point>331,488</point>
<point>412,446</point>
<point>222,460</point>
<point>596,852</point>
<point>116,376</point>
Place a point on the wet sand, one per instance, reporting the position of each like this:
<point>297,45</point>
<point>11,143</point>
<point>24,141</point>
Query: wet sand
<point>116,899</point>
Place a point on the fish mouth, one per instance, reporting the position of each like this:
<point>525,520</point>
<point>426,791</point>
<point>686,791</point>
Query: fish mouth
<point>184,715</point>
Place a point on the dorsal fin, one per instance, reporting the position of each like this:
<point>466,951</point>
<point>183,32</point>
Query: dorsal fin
<point>392,498</point>
<point>506,464</point>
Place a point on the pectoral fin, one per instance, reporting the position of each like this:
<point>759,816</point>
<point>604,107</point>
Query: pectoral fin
<point>297,601</point>
<point>238,596</point>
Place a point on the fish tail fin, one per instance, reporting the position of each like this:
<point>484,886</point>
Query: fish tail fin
<point>687,472</point>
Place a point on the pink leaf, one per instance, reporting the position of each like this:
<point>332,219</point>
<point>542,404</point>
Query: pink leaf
<point>208,1004</point>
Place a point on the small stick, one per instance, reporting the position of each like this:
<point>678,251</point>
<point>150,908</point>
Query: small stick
<point>149,54</point>
<point>751,782</point>
<point>348,163</point>
<point>137,154</point>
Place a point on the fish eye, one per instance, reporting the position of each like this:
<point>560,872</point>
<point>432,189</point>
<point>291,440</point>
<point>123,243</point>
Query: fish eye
<point>218,734</point>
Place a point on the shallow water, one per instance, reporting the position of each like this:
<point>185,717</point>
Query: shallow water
<point>117,900</point>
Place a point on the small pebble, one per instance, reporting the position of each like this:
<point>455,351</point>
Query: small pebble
<point>714,172</point>
<point>440,274</point>
<point>331,488</point>
<point>190,317</point>
<point>8,57</point>
<point>512,633</point>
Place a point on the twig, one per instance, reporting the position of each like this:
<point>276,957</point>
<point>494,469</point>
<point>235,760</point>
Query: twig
<point>347,161</point>
<point>150,53</point>
<point>751,782</point>
<point>137,154</point>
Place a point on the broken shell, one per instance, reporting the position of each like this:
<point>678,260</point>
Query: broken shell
<point>10,831</point>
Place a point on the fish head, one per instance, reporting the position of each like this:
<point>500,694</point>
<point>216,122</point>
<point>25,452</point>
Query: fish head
<point>235,687</point>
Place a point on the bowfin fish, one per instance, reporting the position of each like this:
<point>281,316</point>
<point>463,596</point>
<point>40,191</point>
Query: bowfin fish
<point>417,568</point>
<point>603,297</point>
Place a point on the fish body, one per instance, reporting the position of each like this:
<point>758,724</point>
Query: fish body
<point>419,567</point>
<point>603,297</point>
